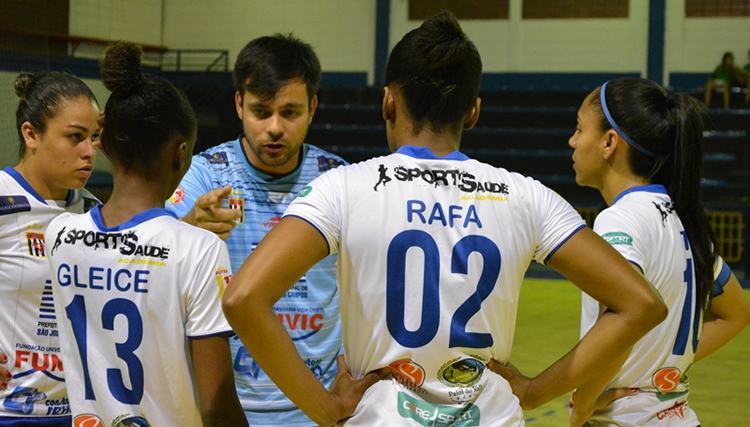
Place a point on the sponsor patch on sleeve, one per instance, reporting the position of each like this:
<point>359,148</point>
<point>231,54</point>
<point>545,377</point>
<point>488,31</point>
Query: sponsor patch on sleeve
<point>13,204</point>
<point>618,238</point>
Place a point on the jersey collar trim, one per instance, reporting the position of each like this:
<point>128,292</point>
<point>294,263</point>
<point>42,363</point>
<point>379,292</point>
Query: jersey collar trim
<point>148,214</point>
<point>651,188</point>
<point>426,153</point>
<point>26,186</point>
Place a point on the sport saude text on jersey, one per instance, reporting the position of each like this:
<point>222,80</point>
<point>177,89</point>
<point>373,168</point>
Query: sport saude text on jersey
<point>125,243</point>
<point>463,180</point>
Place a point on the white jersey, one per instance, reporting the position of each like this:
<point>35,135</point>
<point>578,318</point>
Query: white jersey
<point>28,326</point>
<point>432,253</point>
<point>127,297</point>
<point>643,226</point>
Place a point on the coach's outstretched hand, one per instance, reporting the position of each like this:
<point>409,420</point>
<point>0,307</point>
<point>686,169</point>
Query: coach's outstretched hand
<point>210,214</point>
<point>347,392</point>
<point>4,372</point>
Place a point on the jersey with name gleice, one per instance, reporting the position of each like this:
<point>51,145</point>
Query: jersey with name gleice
<point>310,310</point>
<point>644,227</point>
<point>432,253</point>
<point>28,325</point>
<point>128,298</point>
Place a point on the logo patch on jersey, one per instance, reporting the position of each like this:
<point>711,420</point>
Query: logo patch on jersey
<point>178,196</point>
<point>461,372</point>
<point>219,158</point>
<point>677,410</point>
<point>305,191</point>
<point>431,414</point>
<point>128,420</point>
<point>35,244</point>
<point>464,181</point>
<point>618,238</point>
<point>222,279</point>
<point>327,163</point>
<point>13,204</point>
<point>238,203</point>
<point>30,360</point>
<point>87,420</point>
<point>125,243</point>
<point>666,380</point>
<point>664,208</point>
<point>301,325</point>
<point>407,372</point>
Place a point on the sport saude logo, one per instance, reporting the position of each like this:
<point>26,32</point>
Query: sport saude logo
<point>463,180</point>
<point>666,380</point>
<point>125,243</point>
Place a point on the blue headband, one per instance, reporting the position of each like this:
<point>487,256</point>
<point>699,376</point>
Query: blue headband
<point>641,149</point>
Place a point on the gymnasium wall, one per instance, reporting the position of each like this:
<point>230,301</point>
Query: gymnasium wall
<point>550,45</point>
<point>341,31</point>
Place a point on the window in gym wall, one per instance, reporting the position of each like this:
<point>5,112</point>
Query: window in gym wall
<point>705,8</point>
<point>566,9</point>
<point>463,9</point>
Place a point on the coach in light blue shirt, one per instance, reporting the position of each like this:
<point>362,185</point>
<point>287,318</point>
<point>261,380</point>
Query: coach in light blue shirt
<point>241,188</point>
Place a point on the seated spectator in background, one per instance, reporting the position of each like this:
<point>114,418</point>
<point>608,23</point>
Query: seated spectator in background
<point>724,76</point>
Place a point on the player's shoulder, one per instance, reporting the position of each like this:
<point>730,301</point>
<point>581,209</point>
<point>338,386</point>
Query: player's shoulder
<point>219,156</point>
<point>68,219</point>
<point>190,233</point>
<point>324,160</point>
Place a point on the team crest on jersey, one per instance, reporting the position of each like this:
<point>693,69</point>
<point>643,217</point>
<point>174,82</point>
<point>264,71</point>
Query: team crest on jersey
<point>87,420</point>
<point>666,380</point>
<point>13,204</point>
<point>219,158</point>
<point>178,196</point>
<point>128,420</point>
<point>237,202</point>
<point>222,279</point>
<point>461,372</point>
<point>326,163</point>
<point>35,243</point>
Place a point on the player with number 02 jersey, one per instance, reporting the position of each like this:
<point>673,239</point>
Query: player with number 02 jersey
<point>137,292</point>
<point>432,247</point>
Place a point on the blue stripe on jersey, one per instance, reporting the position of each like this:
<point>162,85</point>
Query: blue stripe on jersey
<point>35,421</point>
<point>721,281</point>
<point>310,310</point>
<point>426,153</point>
<point>559,245</point>
<point>96,216</point>
<point>328,247</point>
<point>23,183</point>
<point>651,188</point>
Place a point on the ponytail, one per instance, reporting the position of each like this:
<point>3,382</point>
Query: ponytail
<point>684,188</point>
<point>668,128</point>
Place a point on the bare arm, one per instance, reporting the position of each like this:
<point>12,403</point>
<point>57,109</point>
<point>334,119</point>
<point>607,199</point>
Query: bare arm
<point>634,309</point>
<point>728,314</point>
<point>214,381</point>
<point>284,255</point>
<point>209,214</point>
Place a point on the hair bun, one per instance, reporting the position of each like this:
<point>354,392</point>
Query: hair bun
<point>121,69</point>
<point>22,83</point>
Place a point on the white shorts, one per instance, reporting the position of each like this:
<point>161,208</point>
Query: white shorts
<point>646,410</point>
